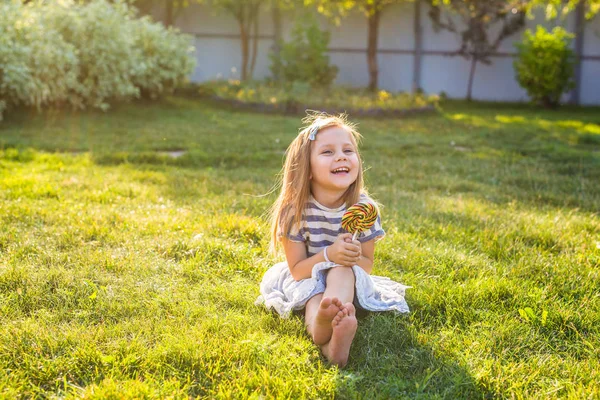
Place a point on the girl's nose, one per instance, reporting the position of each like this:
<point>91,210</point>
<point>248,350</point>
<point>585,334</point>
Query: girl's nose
<point>341,156</point>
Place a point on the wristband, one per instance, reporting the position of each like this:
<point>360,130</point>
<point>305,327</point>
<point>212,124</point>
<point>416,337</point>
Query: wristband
<point>325,254</point>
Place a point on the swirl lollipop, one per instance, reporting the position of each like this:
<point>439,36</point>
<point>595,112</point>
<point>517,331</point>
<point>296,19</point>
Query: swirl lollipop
<point>358,218</point>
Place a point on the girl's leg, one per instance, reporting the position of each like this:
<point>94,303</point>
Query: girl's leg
<point>344,325</point>
<point>320,312</point>
<point>322,308</point>
<point>340,283</point>
<point>330,317</point>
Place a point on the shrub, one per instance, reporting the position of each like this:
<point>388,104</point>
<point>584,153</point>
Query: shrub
<point>303,58</point>
<point>57,53</point>
<point>38,66</point>
<point>165,58</point>
<point>107,57</point>
<point>544,67</point>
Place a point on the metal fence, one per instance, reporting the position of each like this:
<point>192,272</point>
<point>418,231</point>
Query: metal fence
<point>405,59</point>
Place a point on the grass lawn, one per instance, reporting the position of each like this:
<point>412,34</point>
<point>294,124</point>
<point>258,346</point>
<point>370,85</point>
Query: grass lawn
<point>127,273</point>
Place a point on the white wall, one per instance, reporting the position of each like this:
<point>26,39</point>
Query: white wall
<point>218,52</point>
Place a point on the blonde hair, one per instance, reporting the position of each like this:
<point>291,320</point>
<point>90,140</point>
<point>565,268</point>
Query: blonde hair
<point>295,186</point>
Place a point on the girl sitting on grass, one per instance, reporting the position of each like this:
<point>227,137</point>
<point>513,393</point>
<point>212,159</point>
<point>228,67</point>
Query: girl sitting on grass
<point>325,270</point>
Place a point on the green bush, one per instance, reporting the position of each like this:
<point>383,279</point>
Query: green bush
<point>38,67</point>
<point>544,67</point>
<point>108,59</point>
<point>304,58</point>
<point>85,55</point>
<point>165,63</point>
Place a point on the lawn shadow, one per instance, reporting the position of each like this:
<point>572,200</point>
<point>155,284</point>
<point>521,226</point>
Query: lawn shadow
<point>192,159</point>
<point>500,152</point>
<point>498,156</point>
<point>389,360</point>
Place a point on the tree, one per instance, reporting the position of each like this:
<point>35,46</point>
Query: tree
<point>245,13</point>
<point>172,8</point>
<point>556,8</point>
<point>477,16</point>
<point>372,9</point>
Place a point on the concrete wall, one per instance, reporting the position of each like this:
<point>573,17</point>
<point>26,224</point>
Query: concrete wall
<point>218,52</point>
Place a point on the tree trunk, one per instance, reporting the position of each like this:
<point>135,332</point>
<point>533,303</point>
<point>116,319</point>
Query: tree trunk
<point>169,13</point>
<point>276,70</point>
<point>373,33</point>
<point>579,35</point>
<point>550,103</point>
<point>416,83</point>
<point>245,50</point>
<point>471,77</point>
<point>254,42</point>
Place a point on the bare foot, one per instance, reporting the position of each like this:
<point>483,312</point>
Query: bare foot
<point>322,328</point>
<point>344,326</point>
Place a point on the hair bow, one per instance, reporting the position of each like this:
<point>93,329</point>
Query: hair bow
<point>313,133</point>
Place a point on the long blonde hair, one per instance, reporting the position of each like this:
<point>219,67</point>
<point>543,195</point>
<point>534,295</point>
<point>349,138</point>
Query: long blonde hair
<point>295,186</point>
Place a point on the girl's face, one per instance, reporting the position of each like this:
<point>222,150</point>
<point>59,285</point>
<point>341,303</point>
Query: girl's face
<point>334,161</point>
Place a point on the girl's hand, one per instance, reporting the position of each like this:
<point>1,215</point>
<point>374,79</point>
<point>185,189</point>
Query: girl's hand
<point>357,244</point>
<point>344,251</point>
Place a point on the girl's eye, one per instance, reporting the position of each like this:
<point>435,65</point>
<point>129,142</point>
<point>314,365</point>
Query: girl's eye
<point>327,152</point>
<point>348,151</point>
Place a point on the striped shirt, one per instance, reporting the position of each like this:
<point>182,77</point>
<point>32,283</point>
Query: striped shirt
<point>320,226</point>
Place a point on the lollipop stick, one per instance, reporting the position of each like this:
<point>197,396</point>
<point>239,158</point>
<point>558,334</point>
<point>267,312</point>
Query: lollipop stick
<point>355,235</point>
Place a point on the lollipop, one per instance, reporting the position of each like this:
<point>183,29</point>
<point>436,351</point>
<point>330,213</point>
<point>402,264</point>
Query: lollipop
<point>358,218</point>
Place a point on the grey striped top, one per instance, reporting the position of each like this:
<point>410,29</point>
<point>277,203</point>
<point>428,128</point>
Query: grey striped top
<point>320,226</point>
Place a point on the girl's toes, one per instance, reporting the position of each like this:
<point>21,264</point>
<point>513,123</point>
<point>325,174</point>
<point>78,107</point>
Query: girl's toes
<point>326,302</point>
<point>336,320</point>
<point>350,308</point>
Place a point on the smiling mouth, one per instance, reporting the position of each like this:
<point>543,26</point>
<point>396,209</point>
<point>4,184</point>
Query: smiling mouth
<point>341,170</point>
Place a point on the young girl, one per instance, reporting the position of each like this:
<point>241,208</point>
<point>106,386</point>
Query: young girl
<point>325,270</point>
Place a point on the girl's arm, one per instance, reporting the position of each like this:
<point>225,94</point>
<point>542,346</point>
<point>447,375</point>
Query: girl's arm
<point>343,252</point>
<point>298,261</point>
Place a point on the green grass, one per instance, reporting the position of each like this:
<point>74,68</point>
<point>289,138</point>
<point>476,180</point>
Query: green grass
<point>125,273</point>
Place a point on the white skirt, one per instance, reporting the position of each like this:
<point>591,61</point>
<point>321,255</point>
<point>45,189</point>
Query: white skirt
<point>279,290</point>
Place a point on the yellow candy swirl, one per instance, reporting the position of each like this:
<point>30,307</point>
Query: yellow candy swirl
<point>359,217</point>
